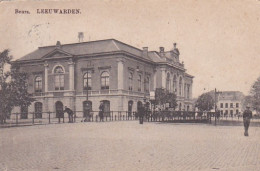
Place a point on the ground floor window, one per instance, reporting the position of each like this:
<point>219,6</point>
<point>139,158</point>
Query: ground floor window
<point>130,107</point>
<point>106,104</point>
<point>139,105</point>
<point>38,109</point>
<point>231,113</point>
<point>59,109</point>
<point>24,112</point>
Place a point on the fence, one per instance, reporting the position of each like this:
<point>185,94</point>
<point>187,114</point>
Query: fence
<point>32,118</point>
<point>53,117</point>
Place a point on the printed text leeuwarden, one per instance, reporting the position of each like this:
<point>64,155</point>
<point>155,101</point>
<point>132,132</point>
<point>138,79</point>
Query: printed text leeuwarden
<point>58,11</point>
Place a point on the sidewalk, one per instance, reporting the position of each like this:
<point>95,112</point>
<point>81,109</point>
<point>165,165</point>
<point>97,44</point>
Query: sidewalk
<point>129,146</point>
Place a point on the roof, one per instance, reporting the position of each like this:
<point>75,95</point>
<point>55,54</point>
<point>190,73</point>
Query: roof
<point>231,95</point>
<point>86,48</point>
<point>101,47</point>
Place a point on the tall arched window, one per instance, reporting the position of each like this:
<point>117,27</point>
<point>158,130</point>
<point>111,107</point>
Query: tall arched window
<point>180,86</point>
<point>87,81</point>
<point>139,82</point>
<point>188,91</point>
<point>147,84</point>
<point>174,84</point>
<point>130,81</point>
<point>59,78</point>
<point>168,82</point>
<point>185,93</point>
<point>104,80</point>
<point>38,84</point>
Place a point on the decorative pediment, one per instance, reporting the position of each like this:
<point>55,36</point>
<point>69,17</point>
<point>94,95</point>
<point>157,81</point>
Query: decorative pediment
<point>57,53</point>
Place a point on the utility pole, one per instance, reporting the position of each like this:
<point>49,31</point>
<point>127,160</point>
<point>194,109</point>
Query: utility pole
<point>215,106</point>
<point>216,94</point>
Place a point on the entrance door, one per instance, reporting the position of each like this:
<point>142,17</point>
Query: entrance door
<point>38,110</point>
<point>106,104</point>
<point>139,105</point>
<point>87,107</point>
<point>59,109</point>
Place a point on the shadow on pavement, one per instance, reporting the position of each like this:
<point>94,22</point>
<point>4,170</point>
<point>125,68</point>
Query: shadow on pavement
<point>235,123</point>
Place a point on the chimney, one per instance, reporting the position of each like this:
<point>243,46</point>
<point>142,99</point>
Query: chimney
<point>174,45</point>
<point>81,36</point>
<point>58,44</point>
<point>161,50</point>
<point>145,51</point>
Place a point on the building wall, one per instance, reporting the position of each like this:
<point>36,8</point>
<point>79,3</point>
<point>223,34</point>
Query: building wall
<point>33,70</point>
<point>138,68</point>
<point>118,67</point>
<point>227,110</point>
<point>99,65</point>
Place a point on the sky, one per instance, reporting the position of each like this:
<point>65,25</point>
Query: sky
<point>218,40</point>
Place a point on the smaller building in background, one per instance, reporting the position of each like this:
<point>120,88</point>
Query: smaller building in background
<point>230,103</point>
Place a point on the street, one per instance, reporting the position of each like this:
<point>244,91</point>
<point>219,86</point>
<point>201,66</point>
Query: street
<point>127,145</point>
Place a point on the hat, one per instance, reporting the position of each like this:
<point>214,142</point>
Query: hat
<point>247,106</point>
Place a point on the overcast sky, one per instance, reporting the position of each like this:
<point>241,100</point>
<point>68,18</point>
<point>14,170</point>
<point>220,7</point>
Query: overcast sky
<point>219,41</point>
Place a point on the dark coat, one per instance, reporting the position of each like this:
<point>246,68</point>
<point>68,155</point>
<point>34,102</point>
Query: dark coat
<point>69,111</point>
<point>101,110</point>
<point>247,114</point>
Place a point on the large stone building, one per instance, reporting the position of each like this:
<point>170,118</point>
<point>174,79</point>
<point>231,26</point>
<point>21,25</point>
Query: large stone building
<point>81,75</point>
<point>230,103</point>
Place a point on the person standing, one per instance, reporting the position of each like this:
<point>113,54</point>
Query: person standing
<point>247,115</point>
<point>141,114</point>
<point>101,112</point>
<point>70,114</point>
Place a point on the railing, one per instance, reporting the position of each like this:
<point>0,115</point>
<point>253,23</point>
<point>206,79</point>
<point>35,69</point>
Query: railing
<point>178,116</point>
<point>16,119</point>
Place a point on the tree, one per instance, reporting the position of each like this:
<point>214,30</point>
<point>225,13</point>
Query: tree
<point>162,97</point>
<point>255,93</point>
<point>13,87</point>
<point>247,100</point>
<point>205,102</point>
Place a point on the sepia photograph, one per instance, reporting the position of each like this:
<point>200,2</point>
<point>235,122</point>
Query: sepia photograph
<point>130,85</point>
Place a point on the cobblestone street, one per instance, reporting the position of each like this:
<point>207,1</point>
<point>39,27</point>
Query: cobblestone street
<point>128,145</point>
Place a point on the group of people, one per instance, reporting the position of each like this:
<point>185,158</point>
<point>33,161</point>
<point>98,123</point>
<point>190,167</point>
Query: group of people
<point>247,115</point>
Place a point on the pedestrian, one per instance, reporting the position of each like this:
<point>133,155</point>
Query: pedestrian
<point>70,114</point>
<point>247,115</point>
<point>101,112</point>
<point>141,114</point>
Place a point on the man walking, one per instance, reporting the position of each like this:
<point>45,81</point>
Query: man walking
<point>247,115</point>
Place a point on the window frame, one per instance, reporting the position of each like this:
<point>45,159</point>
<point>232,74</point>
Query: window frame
<point>104,79</point>
<point>59,80</point>
<point>87,79</point>
<point>139,82</point>
<point>38,84</point>
<point>130,80</point>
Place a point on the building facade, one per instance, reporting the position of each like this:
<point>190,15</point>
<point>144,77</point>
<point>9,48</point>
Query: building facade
<point>81,75</point>
<point>230,103</point>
